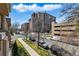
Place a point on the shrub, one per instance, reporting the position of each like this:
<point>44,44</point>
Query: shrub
<point>19,50</point>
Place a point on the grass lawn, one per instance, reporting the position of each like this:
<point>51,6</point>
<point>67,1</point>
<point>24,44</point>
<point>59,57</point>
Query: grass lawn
<point>21,49</point>
<point>40,50</point>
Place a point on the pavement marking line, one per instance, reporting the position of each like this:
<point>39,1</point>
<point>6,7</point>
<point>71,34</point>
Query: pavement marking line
<point>28,48</point>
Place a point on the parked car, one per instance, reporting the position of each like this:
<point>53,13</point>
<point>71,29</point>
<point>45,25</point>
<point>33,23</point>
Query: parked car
<point>59,51</point>
<point>32,39</point>
<point>43,44</point>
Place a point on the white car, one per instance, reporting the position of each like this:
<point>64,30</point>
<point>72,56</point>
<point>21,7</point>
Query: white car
<point>55,38</point>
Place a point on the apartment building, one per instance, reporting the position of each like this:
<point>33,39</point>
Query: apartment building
<point>5,8</point>
<point>41,21</point>
<point>65,31</point>
<point>25,27</point>
<point>30,25</point>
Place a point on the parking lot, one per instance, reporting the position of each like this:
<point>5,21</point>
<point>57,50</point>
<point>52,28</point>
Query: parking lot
<point>48,45</point>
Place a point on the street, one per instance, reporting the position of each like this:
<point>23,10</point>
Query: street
<point>17,36</point>
<point>48,42</point>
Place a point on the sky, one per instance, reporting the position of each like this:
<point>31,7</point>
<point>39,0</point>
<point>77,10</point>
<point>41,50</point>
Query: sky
<point>21,12</point>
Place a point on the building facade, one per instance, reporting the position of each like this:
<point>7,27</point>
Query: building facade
<point>25,27</point>
<point>8,20</point>
<point>65,32</point>
<point>30,25</point>
<point>41,22</point>
<point>5,8</point>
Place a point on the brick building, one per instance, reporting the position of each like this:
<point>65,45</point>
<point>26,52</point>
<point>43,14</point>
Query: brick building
<point>25,27</point>
<point>30,26</point>
<point>42,22</point>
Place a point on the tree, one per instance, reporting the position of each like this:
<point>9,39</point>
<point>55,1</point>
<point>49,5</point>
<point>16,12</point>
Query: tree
<point>37,25</point>
<point>15,49</point>
<point>38,28</point>
<point>14,27</point>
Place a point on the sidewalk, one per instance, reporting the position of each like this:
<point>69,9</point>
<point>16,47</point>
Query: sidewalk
<point>28,48</point>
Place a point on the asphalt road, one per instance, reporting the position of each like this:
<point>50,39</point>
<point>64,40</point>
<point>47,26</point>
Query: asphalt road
<point>48,42</point>
<point>17,36</point>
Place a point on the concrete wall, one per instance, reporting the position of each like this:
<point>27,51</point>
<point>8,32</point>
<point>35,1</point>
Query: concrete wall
<point>52,30</point>
<point>0,47</point>
<point>4,47</point>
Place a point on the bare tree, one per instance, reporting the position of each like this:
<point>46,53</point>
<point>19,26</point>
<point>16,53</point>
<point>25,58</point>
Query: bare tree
<point>71,11</point>
<point>37,26</point>
<point>14,27</point>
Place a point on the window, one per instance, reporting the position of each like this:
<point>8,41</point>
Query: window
<point>57,34</point>
<point>56,26</point>
<point>57,30</point>
<point>34,15</point>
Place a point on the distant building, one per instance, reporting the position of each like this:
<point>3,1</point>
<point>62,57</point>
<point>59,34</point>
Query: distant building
<point>42,22</point>
<point>25,27</point>
<point>30,25</point>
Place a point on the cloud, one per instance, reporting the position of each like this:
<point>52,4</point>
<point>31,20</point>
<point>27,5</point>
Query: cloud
<point>35,7</point>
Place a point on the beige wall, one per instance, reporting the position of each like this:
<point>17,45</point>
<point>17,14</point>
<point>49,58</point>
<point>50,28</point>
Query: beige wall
<point>5,24</point>
<point>4,43</point>
<point>66,31</point>
<point>4,47</point>
<point>52,28</point>
<point>1,48</point>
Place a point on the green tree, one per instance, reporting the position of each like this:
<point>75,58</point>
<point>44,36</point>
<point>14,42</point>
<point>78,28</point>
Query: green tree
<point>15,49</point>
